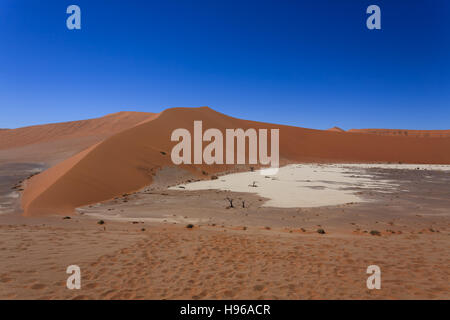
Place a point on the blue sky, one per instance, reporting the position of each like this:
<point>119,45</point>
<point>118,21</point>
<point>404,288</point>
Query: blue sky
<point>304,63</point>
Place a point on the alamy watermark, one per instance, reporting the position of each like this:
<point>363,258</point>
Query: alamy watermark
<point>74,280</point>
<point>373,281</point>
<point>374,20</point>
<point>73,22</point>
<point>213,153</point>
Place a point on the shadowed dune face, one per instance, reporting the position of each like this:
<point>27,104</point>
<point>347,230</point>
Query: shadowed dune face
<point>405,133</point>
<point>127,161</point>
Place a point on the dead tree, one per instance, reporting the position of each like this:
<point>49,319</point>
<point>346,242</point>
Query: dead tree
<point>231,202</point>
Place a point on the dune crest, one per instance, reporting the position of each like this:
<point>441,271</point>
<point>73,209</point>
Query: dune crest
<point>127,161</point>
<point>98,127</point>
<point>405,132</point>
<point>336,129</point>
<point>50,144</point>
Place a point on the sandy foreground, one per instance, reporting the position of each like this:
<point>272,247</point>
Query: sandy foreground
<point>217,263</point>
<point>250,251</point>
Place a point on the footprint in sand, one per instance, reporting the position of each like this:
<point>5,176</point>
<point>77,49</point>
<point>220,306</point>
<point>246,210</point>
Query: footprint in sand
<point>5,279</point>
<point>259,287</point>
<point>38,286</point>
<point>91,286</point>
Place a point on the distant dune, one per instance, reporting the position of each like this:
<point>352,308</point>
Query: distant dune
<point>127,161</point>
<point>51,143</point>
<point>405,133</point>
<point>336,129</point>
<point>101,127</point>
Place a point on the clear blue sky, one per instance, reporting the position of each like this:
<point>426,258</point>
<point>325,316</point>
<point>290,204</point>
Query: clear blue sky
<point>305,63</point>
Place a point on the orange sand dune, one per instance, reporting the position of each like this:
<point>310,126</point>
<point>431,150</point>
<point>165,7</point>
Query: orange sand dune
<point>127,161</point>
<point>405,133</point>
<point>336,129</point>
<point>52,143</point>
<point>99,127</point>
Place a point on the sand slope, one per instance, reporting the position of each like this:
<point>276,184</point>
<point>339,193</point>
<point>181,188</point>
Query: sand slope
<point>52,143</point>
<point>128,160</point>
<point>101,127</point>
<point>405,133</point>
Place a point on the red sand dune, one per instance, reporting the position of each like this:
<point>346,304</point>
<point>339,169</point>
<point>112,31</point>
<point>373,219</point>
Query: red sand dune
<point>405,133</point>
<point>52,143</point>
<point>127,161</point>
<point>336,129</point>
<point>99,127</point>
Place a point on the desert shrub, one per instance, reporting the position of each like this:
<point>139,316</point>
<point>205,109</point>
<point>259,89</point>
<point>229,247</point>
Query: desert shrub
<point>253,184</point>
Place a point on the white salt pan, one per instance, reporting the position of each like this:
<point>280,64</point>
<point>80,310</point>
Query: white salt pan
<point>308,185</point>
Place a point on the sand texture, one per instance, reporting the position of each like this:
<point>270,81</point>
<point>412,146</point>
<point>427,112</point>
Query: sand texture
<point>178,263</point>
